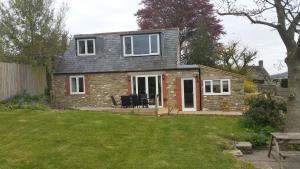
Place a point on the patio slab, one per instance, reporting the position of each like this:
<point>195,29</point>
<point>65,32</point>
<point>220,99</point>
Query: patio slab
<point>161,111</point>
<point>261,161</point>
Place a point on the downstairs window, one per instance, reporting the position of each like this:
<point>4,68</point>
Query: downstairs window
<point>216,87</point>
<point>77,85</point>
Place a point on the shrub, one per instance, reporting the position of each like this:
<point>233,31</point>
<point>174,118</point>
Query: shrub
<point>259,136</point>
<point>264,111</point>
<point>264,116</point>
<point>249,87</point>
<point>24,101</point>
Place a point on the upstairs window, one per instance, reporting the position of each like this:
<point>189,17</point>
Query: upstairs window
<point>141,45</point>
<point>77,85</point>
<point>216,87</point>
<point>85,47</point>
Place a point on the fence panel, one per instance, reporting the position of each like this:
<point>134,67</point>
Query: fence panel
<point>18,78</point>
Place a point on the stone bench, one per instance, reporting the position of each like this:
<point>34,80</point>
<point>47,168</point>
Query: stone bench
<point>245,147</point>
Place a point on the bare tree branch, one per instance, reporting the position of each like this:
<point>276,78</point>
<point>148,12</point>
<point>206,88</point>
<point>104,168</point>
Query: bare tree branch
<point>254,21</point>
<point>294,23</point>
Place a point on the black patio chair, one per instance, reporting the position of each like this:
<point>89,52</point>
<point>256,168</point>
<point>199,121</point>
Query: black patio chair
<point>114,102</point>
<point>135,100</point>
<point>143,100</point>
<point>125,101</point>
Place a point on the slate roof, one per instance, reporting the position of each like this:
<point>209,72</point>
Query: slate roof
<point>259,73</point>
<point>109,54</point>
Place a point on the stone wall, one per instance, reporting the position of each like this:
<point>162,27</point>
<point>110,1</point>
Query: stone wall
<point>232,102</point>
<point>100,86</point>
<point>174,88</point>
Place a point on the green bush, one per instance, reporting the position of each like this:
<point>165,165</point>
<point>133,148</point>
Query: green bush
<point>24,101</point>
<point>264,111</point>
<point>260,136</point>
<point>264,116</point>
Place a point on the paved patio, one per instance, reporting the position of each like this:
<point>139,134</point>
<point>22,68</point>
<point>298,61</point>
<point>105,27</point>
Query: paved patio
<point>162,111</point>
<point>261,161</point>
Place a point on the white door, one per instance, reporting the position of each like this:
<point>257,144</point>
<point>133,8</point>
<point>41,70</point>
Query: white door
<point>188,94</point>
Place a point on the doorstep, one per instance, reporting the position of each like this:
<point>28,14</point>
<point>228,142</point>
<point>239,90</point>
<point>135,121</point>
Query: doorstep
<point>217,113</point>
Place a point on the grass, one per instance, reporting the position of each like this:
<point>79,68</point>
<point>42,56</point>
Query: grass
<point>42,139</point>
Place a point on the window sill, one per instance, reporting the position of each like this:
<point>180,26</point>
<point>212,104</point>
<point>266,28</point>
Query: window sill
<point>141,55</point>
<point>93,54</point>
<point>77,94</point>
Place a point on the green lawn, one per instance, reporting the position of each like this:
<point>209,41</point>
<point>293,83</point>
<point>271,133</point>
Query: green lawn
<point>82,140</point>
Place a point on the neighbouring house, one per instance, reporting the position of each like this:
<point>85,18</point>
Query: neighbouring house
<point>98,66</point>
<point>281,82</point>
<point>259,74</point>
<point>280,79</point>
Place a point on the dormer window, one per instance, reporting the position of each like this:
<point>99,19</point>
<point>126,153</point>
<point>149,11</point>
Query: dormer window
<point>141,45</point>
<point>85,47</point>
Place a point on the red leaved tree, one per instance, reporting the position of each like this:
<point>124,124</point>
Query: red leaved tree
<point>182,14</point>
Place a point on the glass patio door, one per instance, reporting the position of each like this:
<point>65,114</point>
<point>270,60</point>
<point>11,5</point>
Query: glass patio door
<point>150,85</point>
<point>152,89</point>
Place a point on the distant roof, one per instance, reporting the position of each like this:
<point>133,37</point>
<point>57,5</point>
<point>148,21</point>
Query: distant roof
<point>259,72</point>
<point>283,75</point>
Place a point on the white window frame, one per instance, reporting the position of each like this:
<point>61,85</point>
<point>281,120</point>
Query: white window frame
<point>86,47</point>
<point>183,95</point>
<point>150,47</point>
<point>77,84</point>
<point>221,84</point>
<point>147,87</point>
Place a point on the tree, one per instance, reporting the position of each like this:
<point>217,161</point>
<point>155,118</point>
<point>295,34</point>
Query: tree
<point>202,48</point>
<point>284,17</point>
<point>32,31</point>
<point>182,14</point>
<point>233,59</point>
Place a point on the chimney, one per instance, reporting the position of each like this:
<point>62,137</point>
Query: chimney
<point>261,63</point>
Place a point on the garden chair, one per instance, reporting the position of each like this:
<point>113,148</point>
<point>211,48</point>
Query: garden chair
<point>143,100</point>
<point>125,101</point>
<point>114,102</point>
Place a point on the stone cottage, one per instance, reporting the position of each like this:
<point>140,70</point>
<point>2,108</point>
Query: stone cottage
<point>98,66</point>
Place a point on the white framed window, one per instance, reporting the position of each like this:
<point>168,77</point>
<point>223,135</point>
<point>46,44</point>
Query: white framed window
<point>86,47</point>
<point>141,45</point>
<point>217,87</point>
<point>77,84</point>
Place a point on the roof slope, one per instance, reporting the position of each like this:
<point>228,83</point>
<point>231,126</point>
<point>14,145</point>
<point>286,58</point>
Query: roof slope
<point>221,71</point>
<point>259,73</point>
<point>109,54</point>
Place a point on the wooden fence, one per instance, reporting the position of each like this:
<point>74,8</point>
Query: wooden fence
<point>18,78</point>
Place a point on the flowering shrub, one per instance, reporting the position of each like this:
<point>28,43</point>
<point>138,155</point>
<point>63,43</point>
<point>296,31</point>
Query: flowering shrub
<point>24,101</point>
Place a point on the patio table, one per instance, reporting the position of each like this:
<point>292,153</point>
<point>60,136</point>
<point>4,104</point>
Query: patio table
<point>286,138</point>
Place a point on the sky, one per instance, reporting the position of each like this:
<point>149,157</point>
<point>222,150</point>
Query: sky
<point>96,16</point>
